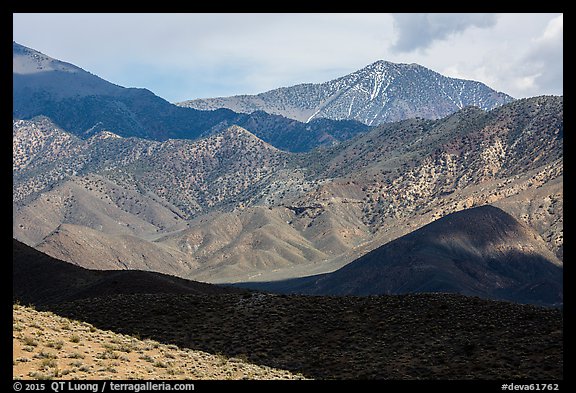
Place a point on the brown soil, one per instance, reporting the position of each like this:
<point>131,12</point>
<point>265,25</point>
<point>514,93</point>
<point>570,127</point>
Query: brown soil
<point>47,346</point>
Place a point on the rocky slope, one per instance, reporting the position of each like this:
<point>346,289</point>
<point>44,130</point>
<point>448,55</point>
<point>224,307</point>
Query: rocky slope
<point>191,176</point>
<point>381,92</point>
<point>417,167</point>
<point>285,215</point>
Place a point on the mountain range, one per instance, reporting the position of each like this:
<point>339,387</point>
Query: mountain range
<point>381,92</point>
<point>390,224</point>
<point>231,207</point>
<point>84,104</point>
<point>230,203</point>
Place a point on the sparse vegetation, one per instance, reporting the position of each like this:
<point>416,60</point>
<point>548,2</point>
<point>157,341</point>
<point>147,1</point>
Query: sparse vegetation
<point>54,356</point>
<point>55,344</point>
<point>435,336</point>
<point>75,338</point>
<point>395,178</point>
<point>29,341</point>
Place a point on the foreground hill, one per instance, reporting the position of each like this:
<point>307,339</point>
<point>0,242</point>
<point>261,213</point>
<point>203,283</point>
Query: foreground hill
<point>40,279</point>
<point>426,336</point>
<point>381,92</point>
<point>481,251</point>
<point>47,346</point>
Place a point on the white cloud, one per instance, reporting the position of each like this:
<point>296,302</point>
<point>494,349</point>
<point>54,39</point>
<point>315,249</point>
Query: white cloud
<point>544,61</point>
<point>223,53</point>
<point>420,31</point>
<point>184,56</point>
<point>536,66</point>
<point>521,55</point>
<point>554,30</point>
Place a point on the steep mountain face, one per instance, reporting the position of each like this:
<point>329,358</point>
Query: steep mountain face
<point>192,176</point>
<point>84,104</point>
<point>379,93</point>
<point>481,251</point>
<point>231,207</point>
<point>406,174</point>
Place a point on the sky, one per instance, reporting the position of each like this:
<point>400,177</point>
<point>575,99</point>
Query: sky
<point>188,56</point>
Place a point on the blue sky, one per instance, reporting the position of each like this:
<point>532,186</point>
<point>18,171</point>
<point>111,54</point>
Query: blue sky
<point>186,56</point>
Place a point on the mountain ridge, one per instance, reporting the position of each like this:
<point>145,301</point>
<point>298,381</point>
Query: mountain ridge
<point>84,104</point>
<point>380,92</point>
<point>332,204</point>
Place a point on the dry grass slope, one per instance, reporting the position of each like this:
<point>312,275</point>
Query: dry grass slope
<point>47,346</point>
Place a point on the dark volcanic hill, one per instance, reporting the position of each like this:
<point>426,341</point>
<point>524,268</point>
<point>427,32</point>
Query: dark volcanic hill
<point>85,104</point>
<point>481,251</point>
<point>407,337</point>
<point>40,279</point>
<point>381,92</point>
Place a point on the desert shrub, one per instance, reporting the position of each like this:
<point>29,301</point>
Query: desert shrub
<point>48,363</point>
<point>29,341</point>
<point>55,344</point>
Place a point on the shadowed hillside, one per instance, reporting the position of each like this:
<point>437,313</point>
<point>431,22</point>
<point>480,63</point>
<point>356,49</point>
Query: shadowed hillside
<point>40,279</point>
<point>425,336</point>
<point>481,251</point>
